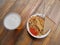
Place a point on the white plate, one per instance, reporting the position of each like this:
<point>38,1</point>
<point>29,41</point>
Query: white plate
<point>42,36</point>
<point>12,21</point>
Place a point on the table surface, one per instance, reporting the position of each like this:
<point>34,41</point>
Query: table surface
<point>26,8</point>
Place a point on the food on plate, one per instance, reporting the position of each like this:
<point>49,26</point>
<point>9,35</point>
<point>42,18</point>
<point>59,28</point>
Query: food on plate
<point>36,25</point>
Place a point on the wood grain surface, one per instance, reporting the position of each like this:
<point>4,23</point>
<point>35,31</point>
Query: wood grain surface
<point>25,8</point>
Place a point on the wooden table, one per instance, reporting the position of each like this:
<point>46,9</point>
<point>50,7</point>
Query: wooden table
<point>26,8</point>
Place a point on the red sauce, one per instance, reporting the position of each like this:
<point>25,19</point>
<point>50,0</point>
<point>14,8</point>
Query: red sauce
<point>33,31</point>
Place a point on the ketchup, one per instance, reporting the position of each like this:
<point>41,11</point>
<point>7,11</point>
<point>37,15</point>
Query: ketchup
<point>33,31</point>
